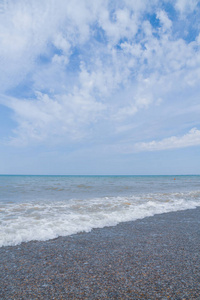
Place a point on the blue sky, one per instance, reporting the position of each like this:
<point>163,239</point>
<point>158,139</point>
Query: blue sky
<point>100,87</point>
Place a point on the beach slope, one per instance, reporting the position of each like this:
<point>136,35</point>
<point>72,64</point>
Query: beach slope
<point>153,258</point>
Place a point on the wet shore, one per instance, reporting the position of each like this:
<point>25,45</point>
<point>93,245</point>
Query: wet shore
<point>153,258</point>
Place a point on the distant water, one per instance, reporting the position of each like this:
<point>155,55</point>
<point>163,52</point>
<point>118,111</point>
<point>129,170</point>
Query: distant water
<point>45,207</point>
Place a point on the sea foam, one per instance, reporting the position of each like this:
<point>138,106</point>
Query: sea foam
<point>43,220</point>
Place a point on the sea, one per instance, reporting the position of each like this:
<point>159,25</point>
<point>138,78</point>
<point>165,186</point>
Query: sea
<point>46,207</point>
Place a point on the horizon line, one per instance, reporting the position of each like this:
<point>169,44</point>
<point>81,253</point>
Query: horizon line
<point>103,175</point>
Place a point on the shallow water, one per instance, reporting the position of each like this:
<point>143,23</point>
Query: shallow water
<point>45,207</point>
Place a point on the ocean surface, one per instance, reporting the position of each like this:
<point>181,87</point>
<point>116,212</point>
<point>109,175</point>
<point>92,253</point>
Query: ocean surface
<point>45,207</point>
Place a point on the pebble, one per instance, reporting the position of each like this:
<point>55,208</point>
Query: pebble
<point>154,258</point>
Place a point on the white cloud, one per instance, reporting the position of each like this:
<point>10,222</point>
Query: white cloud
<point>166,22</point>
<point>52,118</point>
<point>79,56</point>
<point>192,138</point>
<point>185,6</point>
<point>27,29</point>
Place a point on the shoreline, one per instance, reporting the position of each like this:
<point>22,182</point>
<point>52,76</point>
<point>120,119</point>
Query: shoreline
<point>152,258</point>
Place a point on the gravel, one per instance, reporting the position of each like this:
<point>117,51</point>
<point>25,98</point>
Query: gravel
<point>153,258</point>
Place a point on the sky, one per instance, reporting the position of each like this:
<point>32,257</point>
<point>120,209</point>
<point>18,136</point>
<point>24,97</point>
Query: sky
<point>100,87</point>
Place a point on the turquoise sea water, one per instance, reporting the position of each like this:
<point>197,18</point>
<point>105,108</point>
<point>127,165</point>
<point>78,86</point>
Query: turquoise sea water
<point>44,207</point>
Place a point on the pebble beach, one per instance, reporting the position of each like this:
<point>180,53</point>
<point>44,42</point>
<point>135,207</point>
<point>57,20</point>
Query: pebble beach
<point>153,258</point>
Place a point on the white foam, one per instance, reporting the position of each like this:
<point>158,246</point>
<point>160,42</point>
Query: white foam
<point>47,220</point>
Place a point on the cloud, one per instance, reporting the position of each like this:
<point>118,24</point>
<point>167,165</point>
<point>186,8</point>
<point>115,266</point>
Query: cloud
<point>184,6</point>
<point>192,138</point>
<point>46,118</point>
<point>71,68</point>
<point>166,22</point>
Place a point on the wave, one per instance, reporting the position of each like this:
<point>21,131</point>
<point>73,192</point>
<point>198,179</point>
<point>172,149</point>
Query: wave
<point>44,220</point>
